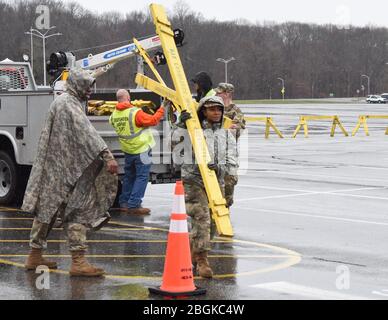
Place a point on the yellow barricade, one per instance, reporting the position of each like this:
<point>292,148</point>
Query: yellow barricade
<point>304,119</point>
<point>268,124</point>
<point>362,121</point>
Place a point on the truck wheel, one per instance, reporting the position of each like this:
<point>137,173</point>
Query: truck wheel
<point>8,178</point>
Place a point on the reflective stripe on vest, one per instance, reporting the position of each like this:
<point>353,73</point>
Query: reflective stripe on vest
<point>133,139</point>
<point>132,134</point>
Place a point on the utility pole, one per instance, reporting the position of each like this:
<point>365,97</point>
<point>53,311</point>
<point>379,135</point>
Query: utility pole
<point>43,36</point>
<point>32,49</point>
<point>226,66</point>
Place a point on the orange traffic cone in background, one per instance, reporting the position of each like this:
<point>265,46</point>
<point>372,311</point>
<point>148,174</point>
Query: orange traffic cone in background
<point>178,277</point>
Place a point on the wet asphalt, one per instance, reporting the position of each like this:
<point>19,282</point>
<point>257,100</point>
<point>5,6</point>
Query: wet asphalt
<point>310,222</point>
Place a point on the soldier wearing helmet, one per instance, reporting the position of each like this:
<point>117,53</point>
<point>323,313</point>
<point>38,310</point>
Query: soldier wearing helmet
<point>221,144</point>
<point>225,91</point>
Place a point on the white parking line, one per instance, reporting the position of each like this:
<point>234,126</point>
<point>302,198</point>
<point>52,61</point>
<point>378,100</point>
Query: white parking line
<point>358,196</point>
<point>308,292</point>
<point>303,190</point>
<point>313,216</point>
<point>271,188</point>
<point>307,193</point>
<point>352,178</point>
<point>382,293</point>
<point>277,197</point>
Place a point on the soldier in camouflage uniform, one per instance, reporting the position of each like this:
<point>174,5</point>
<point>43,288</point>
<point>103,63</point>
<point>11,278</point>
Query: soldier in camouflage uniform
<point>74,178</point>
<point>225,91</point>
<point>221,145</point>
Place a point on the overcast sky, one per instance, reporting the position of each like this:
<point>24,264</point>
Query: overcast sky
<point>342,12</point>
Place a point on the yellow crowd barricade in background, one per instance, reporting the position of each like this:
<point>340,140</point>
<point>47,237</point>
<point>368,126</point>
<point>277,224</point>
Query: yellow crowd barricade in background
<point>362,121</point>
<point>304,119</point>
<point>268,124</point>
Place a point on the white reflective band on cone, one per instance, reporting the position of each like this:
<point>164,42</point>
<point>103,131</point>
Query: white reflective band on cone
<point>179,205</point>
<point>178,226</point>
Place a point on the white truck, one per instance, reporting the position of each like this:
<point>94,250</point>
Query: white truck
<point>23,109</point>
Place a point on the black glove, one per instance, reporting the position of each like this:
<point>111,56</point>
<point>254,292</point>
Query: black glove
<point>213,166</point>
<point>185,115</point>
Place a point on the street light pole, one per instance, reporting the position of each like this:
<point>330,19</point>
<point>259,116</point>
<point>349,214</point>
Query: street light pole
<point>365,76</point>
<point>283,86</point>
<point>43,36</point>
<point>226,73</point>
<point>32,48</point>
<point>32,52</point>
<point>44,60</point>
<point>226,66</point>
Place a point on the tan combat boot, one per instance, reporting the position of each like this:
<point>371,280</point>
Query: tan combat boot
<point>80,267</point>
<point>35,260</point>
<point>203,267</point>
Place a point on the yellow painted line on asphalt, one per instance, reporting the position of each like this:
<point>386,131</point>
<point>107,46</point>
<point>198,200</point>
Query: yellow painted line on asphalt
<point>123,224</point>
<point>15,229</point>
<point>25,229</point>
<point>128,229</point>
<point>21,265</point>
<point>10,209</point>
<point>90,241</point>
<point>103,256</point>
<point>99,241</point>
<point>16,218</point>
<point>61,229</point>
<point>292,258</point>
<point>134,227</point>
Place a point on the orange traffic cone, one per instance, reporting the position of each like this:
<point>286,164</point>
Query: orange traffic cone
<point>178,277</point>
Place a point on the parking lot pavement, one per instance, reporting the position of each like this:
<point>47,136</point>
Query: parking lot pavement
<point>310,221</point>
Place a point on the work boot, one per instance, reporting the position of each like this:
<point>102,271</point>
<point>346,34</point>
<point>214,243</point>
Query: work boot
<point>138,211</point>
<point>80,267</point>
<point>35,260</point>
<point>203,267</point>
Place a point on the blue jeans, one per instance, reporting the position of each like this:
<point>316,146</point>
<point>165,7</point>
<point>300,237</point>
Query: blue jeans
<point>137,170</point>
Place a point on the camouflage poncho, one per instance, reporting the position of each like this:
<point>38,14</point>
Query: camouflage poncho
<point>68,171</point>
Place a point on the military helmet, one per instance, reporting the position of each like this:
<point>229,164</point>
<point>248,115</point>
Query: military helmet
<point>225,87</point>
<point>210,101</point>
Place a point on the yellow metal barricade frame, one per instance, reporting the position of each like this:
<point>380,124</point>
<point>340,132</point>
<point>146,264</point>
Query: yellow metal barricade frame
<point>269,123</point>
<point>303,122</point>
<point>362,121</point>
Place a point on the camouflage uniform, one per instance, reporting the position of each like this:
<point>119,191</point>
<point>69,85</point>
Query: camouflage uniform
<point>221,145</point>
<point>235,114</point>
<point>76,234</point>
<point>231,180</point>
<point>69,179</point>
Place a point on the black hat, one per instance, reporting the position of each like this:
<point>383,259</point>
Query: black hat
<point>203,80</point>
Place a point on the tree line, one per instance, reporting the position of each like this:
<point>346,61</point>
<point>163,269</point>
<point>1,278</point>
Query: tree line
<point>316,61</point>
